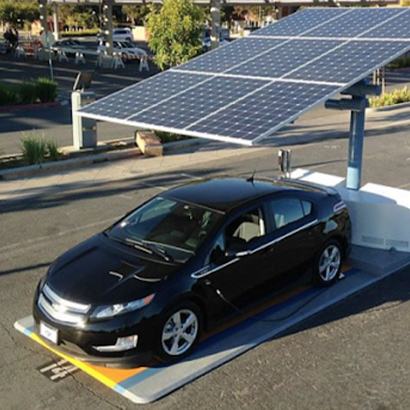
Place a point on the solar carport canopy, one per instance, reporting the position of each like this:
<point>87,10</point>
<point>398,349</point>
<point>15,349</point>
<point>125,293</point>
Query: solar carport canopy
<point>249,89</point>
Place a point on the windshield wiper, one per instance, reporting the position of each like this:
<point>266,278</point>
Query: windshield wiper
<point>162,252</point>
<point>151,249</point>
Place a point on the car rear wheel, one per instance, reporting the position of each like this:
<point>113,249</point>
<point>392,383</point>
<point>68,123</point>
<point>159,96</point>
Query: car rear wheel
<point>179,332</point>
<point>328,263</point>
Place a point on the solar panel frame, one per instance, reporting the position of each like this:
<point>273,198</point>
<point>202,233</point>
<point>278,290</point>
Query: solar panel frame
<point>197,127</point>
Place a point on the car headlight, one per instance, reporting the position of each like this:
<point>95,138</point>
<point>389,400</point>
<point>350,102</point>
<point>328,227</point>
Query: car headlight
<point>102,312</point>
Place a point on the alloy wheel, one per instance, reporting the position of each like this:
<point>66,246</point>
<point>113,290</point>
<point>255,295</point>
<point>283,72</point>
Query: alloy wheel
<point>329,263</point>
<point>180,332</point>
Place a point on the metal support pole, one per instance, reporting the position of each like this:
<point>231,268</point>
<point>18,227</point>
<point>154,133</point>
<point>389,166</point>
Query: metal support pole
<point>43,14</point>
<point>107,23</point>
<point>216,23</point>
<point>354,167</point>
<point>278,11</point>
<point>357,105</point>
<point>55,22</point>
<point>44,23</point>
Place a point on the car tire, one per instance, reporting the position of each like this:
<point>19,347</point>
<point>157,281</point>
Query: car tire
<point>328,263</point>
<point>179,331</point>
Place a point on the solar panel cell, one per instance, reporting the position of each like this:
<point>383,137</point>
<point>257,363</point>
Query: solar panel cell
<point>137,97</point>
<point>355,23</point>
<point>285,58</point>
<point>195,104</point>
<point>397,28</point>
<point>301,22</point>
<point>350,61</point>
<point>263,111</point>
<point>231,55</point>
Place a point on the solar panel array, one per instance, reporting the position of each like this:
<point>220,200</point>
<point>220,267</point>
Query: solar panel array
<point>249,89</point>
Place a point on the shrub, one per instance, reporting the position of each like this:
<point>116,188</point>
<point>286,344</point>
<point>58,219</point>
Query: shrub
<point>395,97</point>
<point>33,149</point>
<point>27,92</point>
<point>8,95</point>
<point>53,153</point>
<point>401,62</point>
<point>169,137</point>
<point>46,90</point>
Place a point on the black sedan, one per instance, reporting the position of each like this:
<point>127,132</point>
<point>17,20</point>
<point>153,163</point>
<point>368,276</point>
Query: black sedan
<point>186,261</point>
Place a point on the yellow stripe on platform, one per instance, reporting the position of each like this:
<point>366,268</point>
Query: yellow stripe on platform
<point>107,376</point>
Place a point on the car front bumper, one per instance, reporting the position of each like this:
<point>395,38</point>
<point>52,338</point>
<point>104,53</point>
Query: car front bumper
<point>79,342</point>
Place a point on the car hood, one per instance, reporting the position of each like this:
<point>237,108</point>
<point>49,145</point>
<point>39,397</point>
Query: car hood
<point>100,271</point>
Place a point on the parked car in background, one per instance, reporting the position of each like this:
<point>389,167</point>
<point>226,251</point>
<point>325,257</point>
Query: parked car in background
<point>127,49</point>
<point>119,34</point>
<point>155,281</point>
<point>69,45</point>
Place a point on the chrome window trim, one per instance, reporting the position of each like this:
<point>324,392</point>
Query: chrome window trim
<point>301,228</point>
<point>72,306</point>
<point>339,206</point>
<point>205,272</point>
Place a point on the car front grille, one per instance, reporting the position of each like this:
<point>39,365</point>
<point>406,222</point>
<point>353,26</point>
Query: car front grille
<point>62,310</point>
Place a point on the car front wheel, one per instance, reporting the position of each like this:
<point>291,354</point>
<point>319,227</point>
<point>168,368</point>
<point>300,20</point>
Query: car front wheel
<point>180,331</point>
<point>328,263</point>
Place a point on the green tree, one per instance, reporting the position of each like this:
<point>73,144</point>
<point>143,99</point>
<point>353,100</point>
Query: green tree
<point>18,11</point>
<point>136,14</point>
<point>174,32</point>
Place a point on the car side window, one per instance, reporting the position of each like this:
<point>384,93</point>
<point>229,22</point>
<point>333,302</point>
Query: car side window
<point>218,247</point>
<point>307,207</point>
<point>248,226</point>
<point>289,210</point>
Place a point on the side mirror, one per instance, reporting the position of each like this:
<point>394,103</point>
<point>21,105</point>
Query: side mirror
<point>237,248</point>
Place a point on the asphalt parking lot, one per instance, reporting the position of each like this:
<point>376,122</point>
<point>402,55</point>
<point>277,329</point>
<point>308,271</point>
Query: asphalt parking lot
<point>353,355</point>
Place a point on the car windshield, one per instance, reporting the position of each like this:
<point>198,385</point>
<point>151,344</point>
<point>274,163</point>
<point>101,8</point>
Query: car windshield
<point>168,225</point>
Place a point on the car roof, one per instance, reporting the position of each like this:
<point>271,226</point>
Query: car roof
<point>227,193</point>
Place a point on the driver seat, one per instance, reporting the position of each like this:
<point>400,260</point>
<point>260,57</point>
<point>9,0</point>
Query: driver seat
<point>248,228</point>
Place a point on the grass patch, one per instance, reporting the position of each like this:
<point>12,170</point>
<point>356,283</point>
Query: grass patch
<point>37,148</point>
<point>33,149</point>
<point>52,151</point>
<point>392,98</point>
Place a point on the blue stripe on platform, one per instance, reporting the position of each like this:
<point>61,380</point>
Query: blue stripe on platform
<point>214,340</point>
<point>29,330</point>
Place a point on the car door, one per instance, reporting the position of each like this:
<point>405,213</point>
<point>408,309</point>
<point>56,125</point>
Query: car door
<point>295,237</point>
<point>236,278</point>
